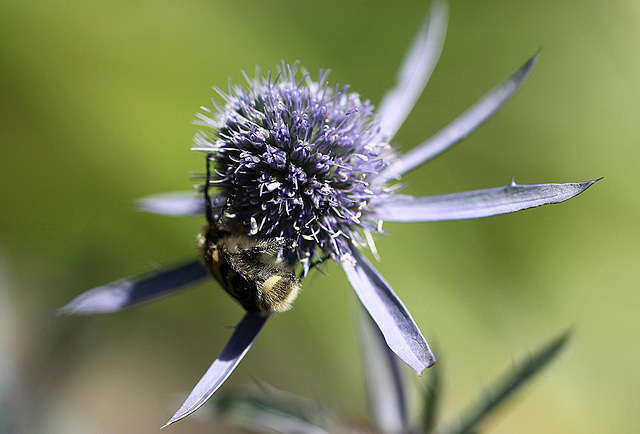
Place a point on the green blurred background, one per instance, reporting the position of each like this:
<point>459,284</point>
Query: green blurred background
<point>97,100</point>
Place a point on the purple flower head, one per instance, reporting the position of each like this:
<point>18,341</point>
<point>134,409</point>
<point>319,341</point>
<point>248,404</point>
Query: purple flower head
<point>296,158</point>
<point>304,171</point>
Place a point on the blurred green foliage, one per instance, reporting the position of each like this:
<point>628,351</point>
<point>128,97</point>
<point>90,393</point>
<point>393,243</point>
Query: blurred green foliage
<point>96,104</point>
<point>264,409</point>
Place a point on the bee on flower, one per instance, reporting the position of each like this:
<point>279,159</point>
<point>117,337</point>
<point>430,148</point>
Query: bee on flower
<point>299,171</point>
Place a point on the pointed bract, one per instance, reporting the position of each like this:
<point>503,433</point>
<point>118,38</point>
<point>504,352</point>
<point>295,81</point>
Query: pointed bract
<point>133,291</point>
<point>415,71</point>
<point>178,204</point>
<point>391,316</point>
<point>477,203</point>
<point>240,342</point>
<point>462,126</point>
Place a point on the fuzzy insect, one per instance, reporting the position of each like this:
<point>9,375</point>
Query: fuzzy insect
<point>250,268</point>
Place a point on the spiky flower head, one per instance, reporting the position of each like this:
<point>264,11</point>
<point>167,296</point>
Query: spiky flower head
<point>296,158</point>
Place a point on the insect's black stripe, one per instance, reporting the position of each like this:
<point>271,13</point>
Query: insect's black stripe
<point>225,270</point>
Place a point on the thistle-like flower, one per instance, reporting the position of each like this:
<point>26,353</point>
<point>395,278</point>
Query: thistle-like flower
<point>303,172</point>
<point>298,159</point>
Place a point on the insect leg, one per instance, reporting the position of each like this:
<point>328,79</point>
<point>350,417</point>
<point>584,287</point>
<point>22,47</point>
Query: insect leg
<point>314,264</point>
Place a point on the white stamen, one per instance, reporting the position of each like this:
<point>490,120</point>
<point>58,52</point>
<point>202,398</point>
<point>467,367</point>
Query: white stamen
<point>254,226</point>
<point>273,185</point>
<point>348,258</point>
<point>336,234</point>
<point>372,245</point>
